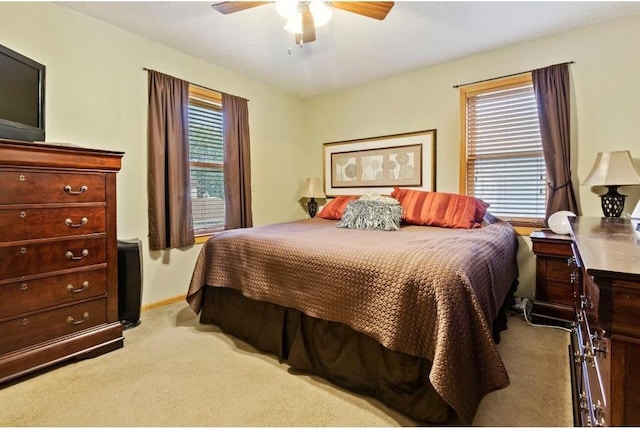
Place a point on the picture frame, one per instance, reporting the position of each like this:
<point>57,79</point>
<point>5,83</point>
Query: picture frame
<point>377,164</point>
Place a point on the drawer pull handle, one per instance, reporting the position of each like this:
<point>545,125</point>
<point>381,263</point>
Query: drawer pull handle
<point>21,177</point>
<point>598,413</point>
<point>72,289</point>
<point>23,250</point>
<point>70,222</point>
<point>24,321</point>
<point>70,255</point>
<point>589,357</point>
<point>583,401</point>
<point>71,320</point>
<point>67,189</point>
<point>574,327</point>
<point>599,344</point>
<point>22,214</point>
<point>585,302</point>
<point>24,286</point>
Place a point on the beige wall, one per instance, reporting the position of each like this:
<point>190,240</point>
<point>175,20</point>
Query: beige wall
<point>96,95</point>
<point>604,106</point>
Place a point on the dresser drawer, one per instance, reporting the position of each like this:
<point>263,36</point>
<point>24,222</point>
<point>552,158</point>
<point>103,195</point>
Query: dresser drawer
<point>40,327</point>
<point>559,248</point>
<point>589,300</point>
<point>32,259</point>
<point>560,293</point>
<point>35,294</point>
<point>595,367</point>
<point>582,359</point>
<point>32,223</point>
<point>558,269</point>
<point>28,187</point>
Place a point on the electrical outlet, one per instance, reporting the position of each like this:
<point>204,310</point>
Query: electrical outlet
<point>517,306</point>
<point>526,305</point>
<point>522,305</point>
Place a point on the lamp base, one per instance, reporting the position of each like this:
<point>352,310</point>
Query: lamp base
<point>312,207</point>
<point>612,202</point>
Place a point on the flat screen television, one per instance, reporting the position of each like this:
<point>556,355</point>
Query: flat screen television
<point>21,97</point>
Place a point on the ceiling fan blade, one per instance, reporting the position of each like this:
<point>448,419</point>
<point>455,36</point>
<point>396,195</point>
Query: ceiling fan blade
<point>308,28</point>
<point>227,7</point>
<point>372,9</point>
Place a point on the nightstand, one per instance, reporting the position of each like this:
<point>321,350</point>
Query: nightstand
<point>555,273</point>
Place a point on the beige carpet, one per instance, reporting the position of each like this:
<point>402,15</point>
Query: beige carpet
<point>174,372</point>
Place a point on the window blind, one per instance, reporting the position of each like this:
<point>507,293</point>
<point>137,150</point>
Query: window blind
<point>505,163</point>
<point>206,155</point>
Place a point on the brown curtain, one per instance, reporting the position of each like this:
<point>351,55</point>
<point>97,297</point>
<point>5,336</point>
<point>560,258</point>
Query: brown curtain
<point>168,180</point>
<point>237,163</point>
<point>552,88</point>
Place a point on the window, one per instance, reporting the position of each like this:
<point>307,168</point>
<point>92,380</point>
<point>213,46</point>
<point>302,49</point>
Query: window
<point>502,159</point>
<point>206,154</point>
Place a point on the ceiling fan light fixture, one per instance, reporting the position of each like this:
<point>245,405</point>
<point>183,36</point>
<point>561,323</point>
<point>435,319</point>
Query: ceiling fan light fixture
<point>287,8</point>
<point>294,24</point>
<point>304,16</point>
<point>321,12</point>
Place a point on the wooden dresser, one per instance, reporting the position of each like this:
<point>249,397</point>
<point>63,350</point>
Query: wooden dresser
<point>58,255</point>
<point>605,345</point>
<point>555,279</point>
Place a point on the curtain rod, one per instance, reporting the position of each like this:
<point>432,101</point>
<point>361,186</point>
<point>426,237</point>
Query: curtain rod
<point>195,84</point>
<point>508,75</point>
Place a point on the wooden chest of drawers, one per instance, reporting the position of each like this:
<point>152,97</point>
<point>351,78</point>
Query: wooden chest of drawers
<point>605,344</point>
<point>58,255</point>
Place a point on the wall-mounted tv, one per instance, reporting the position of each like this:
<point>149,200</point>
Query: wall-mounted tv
<point>21,97</point>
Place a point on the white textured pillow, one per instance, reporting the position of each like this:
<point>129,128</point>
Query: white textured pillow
<point>375,213</point>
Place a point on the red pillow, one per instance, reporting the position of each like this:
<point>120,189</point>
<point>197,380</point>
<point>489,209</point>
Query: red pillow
<point>440,209</point>
<point>335,207</point>
<point>481,208</point>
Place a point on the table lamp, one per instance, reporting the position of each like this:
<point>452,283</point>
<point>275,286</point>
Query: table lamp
<point>613,169</point>
<point>312,190</point>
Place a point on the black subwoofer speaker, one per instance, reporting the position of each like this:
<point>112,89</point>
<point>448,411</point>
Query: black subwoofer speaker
<point>129,282</point>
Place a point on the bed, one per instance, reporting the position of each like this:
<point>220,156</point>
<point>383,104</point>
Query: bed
<point>409,317</point>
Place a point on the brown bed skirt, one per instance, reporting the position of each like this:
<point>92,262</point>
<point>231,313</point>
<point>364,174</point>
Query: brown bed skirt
<point>333,351</point>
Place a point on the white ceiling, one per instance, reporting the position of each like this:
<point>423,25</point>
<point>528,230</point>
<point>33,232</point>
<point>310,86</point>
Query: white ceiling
<point>351,49</point>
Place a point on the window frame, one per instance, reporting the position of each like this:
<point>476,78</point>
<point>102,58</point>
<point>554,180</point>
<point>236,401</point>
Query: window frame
<point>525,226</point>
<point>205,98</point>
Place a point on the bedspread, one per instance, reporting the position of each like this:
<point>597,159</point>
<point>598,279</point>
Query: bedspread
<point>425,291</point>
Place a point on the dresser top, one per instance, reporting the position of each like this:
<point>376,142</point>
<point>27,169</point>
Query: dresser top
<point>607,244</point>
<point>546,234</point>
<point>20,153</point>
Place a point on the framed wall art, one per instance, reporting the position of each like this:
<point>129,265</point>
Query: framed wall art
<point>377,164</point>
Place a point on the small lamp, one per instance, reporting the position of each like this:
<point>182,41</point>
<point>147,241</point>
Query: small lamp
<point>613,169</point>
<point>312,190</point>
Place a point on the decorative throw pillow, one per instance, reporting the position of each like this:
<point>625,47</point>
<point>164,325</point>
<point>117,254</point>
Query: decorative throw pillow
<point>440,209</point>
<point>481,209</point>
<point>374,213</point>
<point>335,207</point>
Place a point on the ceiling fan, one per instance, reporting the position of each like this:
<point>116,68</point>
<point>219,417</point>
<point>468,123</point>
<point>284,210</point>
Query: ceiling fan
<point>303,17</point>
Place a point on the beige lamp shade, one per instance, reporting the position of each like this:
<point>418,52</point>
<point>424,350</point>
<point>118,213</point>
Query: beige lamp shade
<point>313,189</point>
<point>613,169</point>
